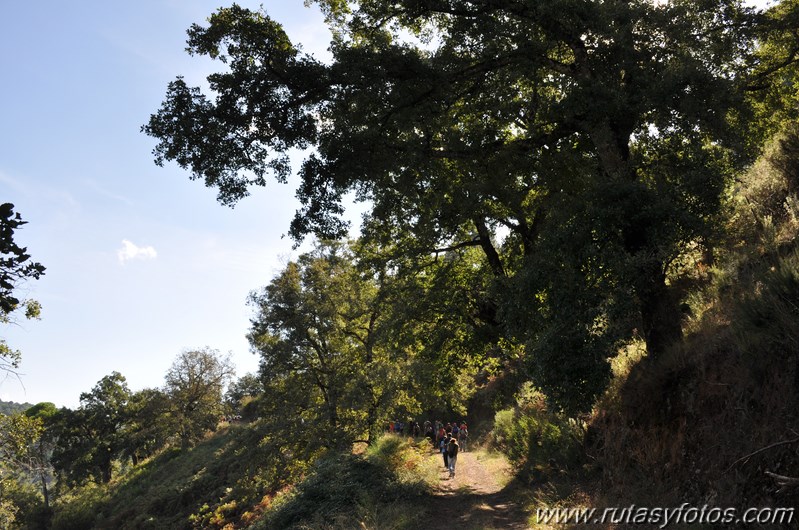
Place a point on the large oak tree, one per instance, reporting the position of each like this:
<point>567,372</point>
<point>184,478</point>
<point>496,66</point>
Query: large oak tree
<point>581,145</point>
<point>194,387</point>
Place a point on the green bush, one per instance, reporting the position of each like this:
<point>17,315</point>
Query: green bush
<point>81,508</point>
<point>535,439</point>
<point>405,459</point>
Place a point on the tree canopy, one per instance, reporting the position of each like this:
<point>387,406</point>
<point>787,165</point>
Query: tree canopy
<point>582,146</point>
<point>194,387</point>
<point>322,330</point>
<point>92,436</point>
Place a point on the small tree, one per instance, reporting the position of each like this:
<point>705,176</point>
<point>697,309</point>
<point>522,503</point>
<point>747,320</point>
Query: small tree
<point>91,437</point>
<point>195,383</point>
<point>243,390</point>
<point>24,448</point>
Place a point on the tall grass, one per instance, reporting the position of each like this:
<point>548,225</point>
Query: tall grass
<point>219,482</point>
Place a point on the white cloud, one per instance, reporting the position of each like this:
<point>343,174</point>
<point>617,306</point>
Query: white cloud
<point>130,251</point>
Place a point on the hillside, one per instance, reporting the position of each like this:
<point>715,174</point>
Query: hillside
<point>10,407</point>
<point>712,422</point>
<point>223,483</point>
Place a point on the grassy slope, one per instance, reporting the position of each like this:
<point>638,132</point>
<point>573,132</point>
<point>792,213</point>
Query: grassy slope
<point>680,427</point>
<point>379,489</point>
<point>231,480</point>
<point>669,430</point>
<point>223,478</point>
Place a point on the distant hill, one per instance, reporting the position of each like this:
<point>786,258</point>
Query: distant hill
<point>10,407</point>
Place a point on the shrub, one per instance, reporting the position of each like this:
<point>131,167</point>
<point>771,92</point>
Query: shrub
<point>81,508</point>
<point>21,504</point>
<point>769,314</point>
<point>535,439</point>
<point>763,207</point>
<point>349,491</point>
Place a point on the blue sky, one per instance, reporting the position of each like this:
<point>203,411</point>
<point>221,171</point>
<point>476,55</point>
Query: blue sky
<point>141,262</point>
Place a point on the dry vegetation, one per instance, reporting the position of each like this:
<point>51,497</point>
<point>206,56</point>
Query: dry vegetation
<point>707,422</point>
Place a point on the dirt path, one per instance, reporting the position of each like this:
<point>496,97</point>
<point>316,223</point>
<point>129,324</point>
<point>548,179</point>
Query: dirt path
<point>477,498</point>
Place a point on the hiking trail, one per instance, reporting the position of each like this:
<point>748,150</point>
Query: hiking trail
<point>477,497</point>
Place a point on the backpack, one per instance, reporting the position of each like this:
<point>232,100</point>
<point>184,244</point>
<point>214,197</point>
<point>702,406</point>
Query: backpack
<point>452,450</point>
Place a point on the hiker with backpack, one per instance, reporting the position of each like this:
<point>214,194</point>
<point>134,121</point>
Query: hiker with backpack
<point>440,433</point>
<point>463,435</point>
<point>444,448</point>
<point>452,455</point>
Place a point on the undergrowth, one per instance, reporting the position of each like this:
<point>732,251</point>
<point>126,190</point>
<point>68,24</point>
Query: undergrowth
<point>375,490</point>
<point>537,442</point>
<point>243,477</point>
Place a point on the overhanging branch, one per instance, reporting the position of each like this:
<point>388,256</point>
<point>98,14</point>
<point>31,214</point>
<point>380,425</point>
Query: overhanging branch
<point>471,243</point>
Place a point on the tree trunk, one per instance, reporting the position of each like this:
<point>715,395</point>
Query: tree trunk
<point>372,431</point>
<point>660,315</point>
<point>45,493</point>
<point>494,261</point>
<point>105,473</point>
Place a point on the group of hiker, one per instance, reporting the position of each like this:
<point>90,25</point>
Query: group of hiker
<point>449,439</point>
<point>449,446</point>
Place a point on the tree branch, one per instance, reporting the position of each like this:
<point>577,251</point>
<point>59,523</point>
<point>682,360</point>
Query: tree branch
<point>750,455</point>
<point>471,243</point>
<point>783,481</point>
<point>491,253</point>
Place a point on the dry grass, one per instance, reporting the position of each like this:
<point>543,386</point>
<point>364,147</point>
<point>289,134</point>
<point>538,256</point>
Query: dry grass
<point>679,424</point>
<point>496,465</point>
